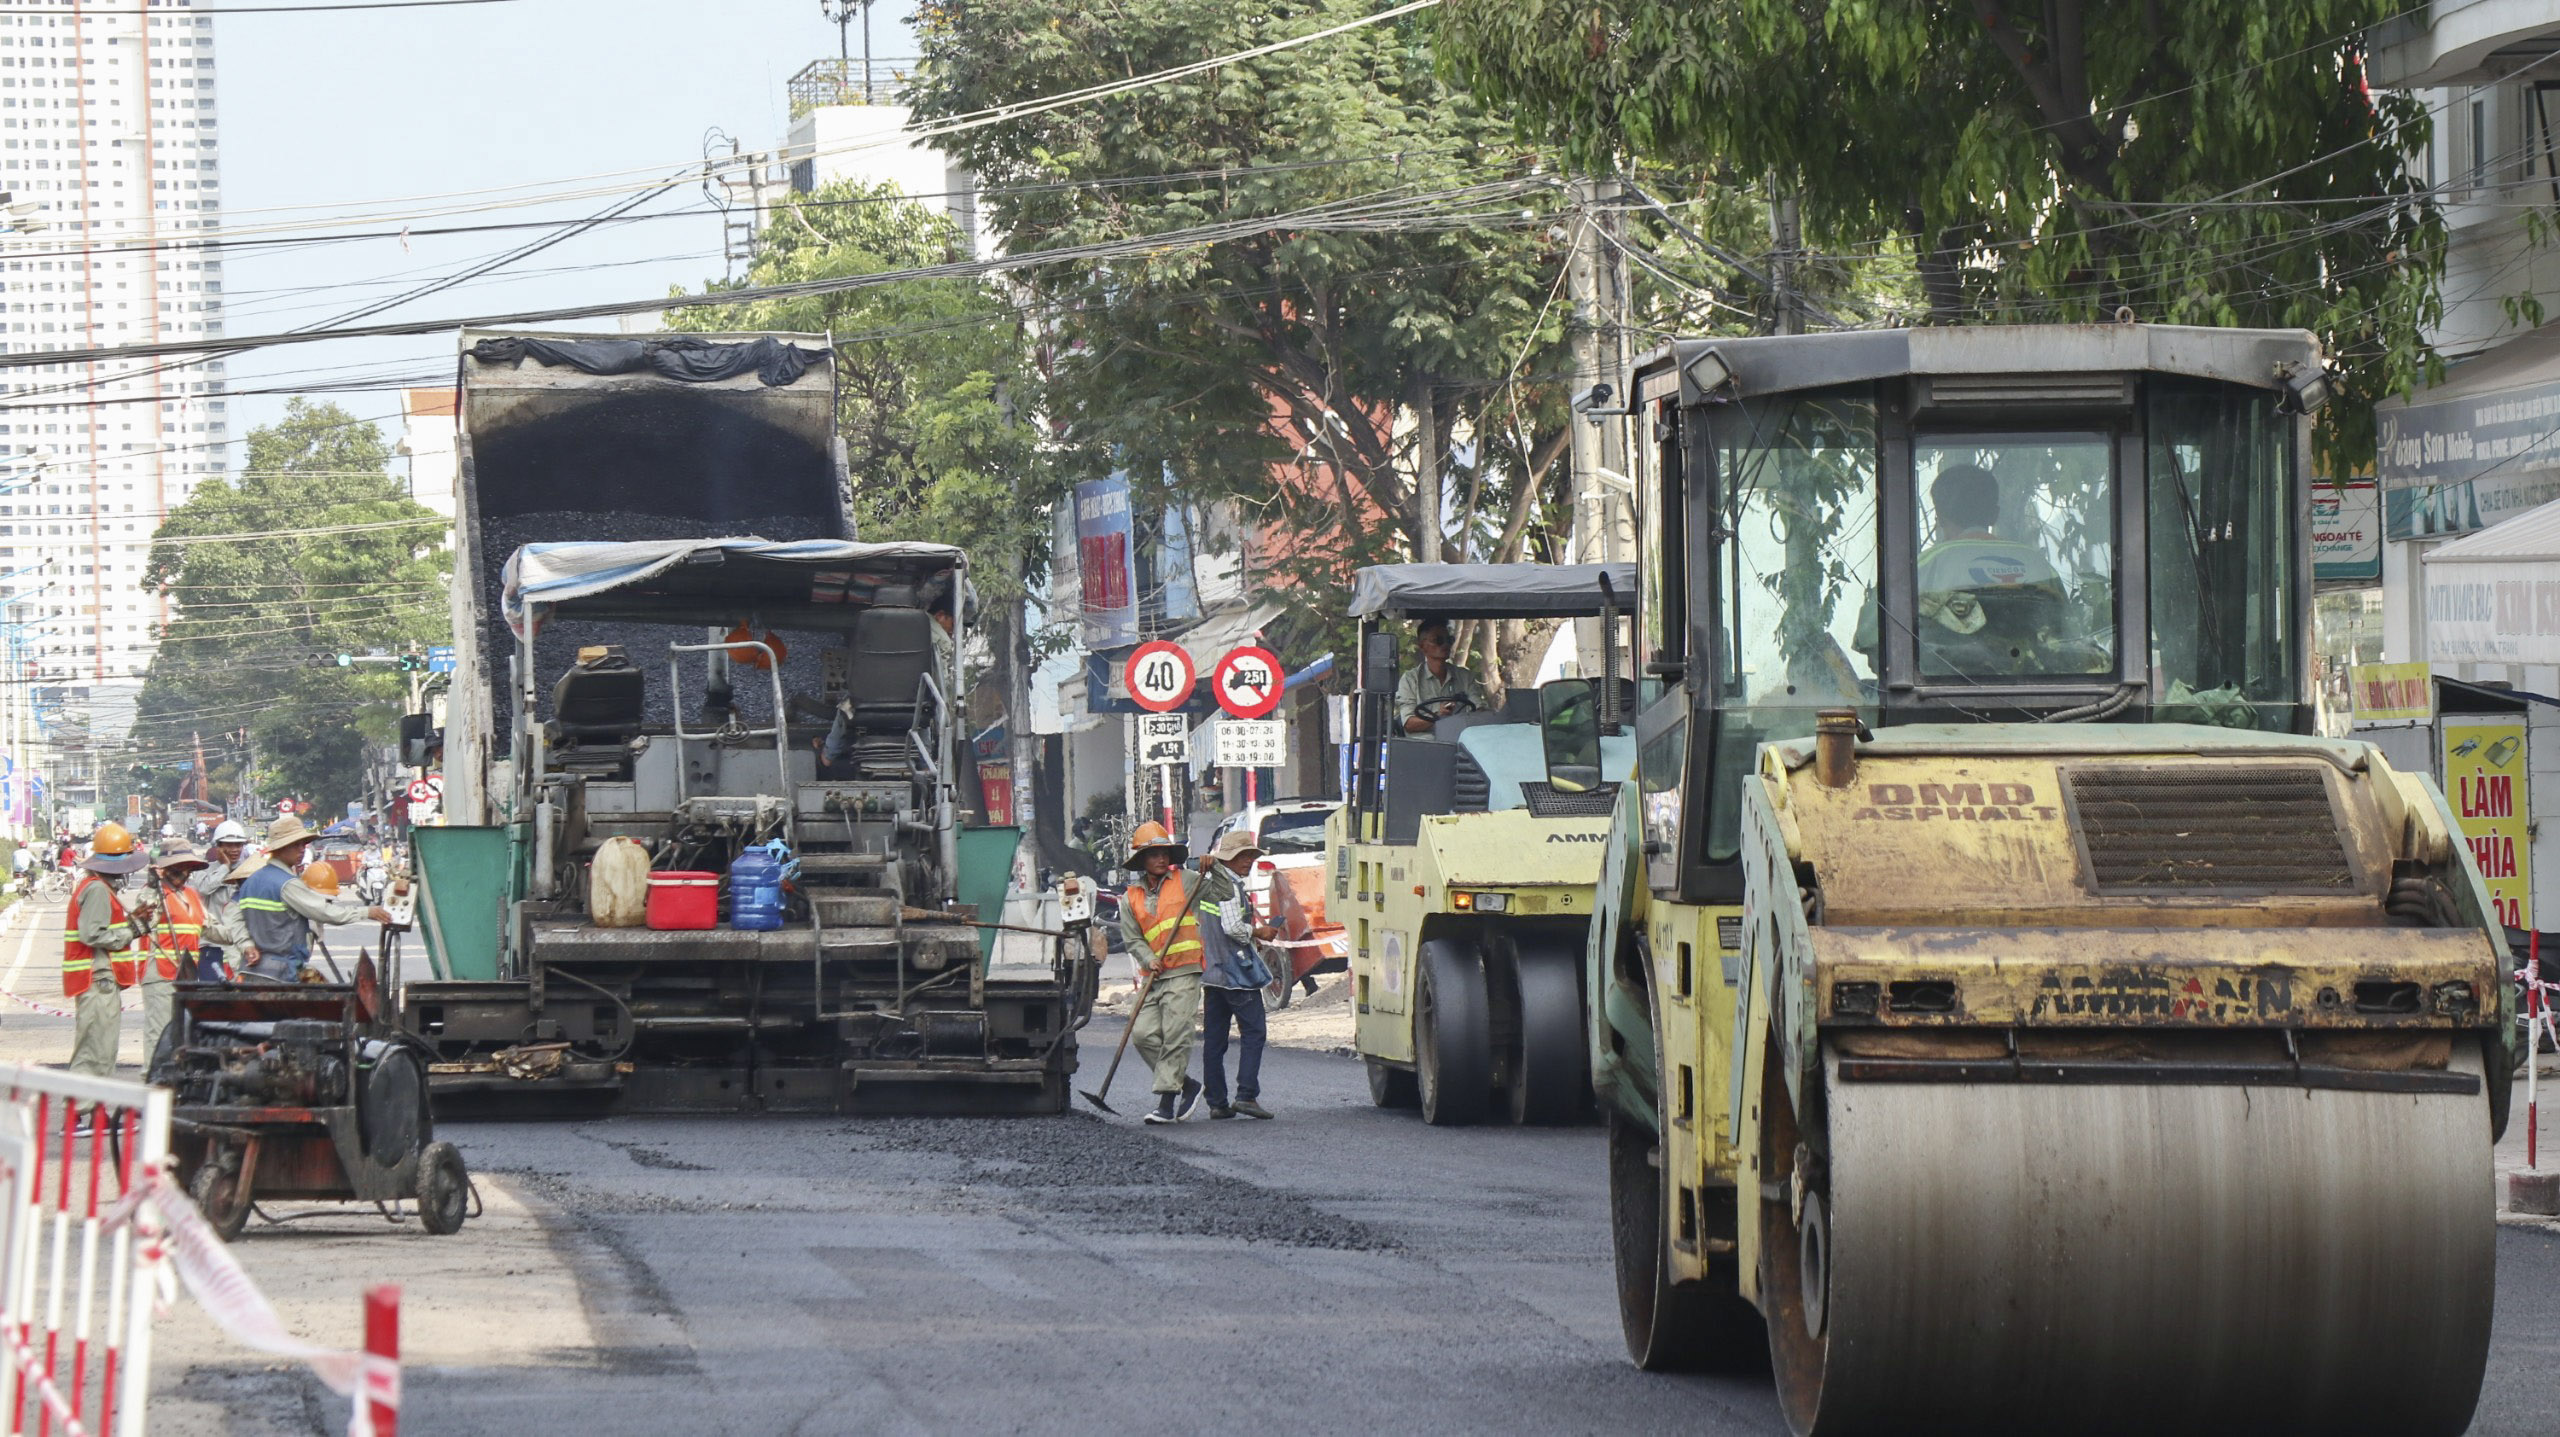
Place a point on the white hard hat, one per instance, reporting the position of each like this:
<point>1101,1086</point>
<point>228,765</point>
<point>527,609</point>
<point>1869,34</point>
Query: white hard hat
<point>230,832</point>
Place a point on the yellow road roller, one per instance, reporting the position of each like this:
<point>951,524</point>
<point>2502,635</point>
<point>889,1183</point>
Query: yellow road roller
<point>2010,1017</point>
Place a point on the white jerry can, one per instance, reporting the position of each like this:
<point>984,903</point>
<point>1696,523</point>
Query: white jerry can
<point>618,885</point>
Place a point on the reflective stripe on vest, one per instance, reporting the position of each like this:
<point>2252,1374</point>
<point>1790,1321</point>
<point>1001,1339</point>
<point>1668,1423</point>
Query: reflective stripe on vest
<point>180,929</point>
<point>1155,924</point>
<point>79,960</point>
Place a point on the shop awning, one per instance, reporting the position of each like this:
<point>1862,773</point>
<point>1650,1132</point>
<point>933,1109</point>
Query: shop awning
<point>2494,597</point>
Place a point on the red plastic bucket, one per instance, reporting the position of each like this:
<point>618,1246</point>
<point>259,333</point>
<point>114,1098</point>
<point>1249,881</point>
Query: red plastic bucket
<point>684,899</point>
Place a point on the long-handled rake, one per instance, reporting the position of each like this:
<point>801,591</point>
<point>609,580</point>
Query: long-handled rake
<point>1144,984</point>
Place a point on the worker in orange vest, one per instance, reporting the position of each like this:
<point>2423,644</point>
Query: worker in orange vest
<point>98,927</point>
<point>1163,937</point>
<point>177,933</point>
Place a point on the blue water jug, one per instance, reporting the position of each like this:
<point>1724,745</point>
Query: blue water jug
<point>755,887</point>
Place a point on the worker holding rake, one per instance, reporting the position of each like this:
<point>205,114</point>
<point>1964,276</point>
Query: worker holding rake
<point>1163,937</point>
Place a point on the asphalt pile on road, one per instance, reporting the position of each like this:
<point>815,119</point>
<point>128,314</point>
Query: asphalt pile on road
<point>1081,1167</point>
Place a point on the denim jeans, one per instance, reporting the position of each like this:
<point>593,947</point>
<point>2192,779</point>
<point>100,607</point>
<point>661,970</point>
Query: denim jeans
<point>1244,1005</point>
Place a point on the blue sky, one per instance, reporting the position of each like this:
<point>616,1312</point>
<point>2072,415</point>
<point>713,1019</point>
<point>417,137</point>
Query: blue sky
<point>364,109</point>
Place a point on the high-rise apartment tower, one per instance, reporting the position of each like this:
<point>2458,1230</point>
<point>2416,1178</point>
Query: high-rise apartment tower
<point>108,158</point>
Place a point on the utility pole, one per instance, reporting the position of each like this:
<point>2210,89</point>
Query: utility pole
<point>1603,505</point>
<point>1786,245</point>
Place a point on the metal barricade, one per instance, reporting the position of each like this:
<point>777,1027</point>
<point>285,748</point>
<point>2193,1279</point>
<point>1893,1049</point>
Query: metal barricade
<point>77,1291</point>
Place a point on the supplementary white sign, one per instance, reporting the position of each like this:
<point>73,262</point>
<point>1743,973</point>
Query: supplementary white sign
<point>1252,743</point>
<point>1163,739</point>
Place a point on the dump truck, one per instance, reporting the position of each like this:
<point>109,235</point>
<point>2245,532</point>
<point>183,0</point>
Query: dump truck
<point>2009,1014</point>
<point>1463,866</point>
<point>667,637</point>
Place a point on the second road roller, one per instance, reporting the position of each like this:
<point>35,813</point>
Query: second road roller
<point>2010,1015</point>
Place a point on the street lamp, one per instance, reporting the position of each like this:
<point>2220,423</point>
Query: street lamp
<point>841,13</point>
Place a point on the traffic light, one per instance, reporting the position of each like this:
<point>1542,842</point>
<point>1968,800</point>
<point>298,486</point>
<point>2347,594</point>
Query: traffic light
<point>412,663</point>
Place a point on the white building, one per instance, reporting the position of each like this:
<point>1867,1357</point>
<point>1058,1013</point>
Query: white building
<point>2478,449</point>
<point>108,157</point>
<point>835,136</point>
<point>428,426</point>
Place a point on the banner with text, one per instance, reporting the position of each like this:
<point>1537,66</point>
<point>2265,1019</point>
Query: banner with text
<point>2392,693</point>
<point>2346,529</point>
<point>2484,777</point>
<point>2493,613</point>
<point>2451,466</point>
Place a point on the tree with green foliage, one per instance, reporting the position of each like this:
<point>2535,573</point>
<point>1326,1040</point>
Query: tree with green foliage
<point>2193,161</point>
<point>315,549</point>
<point>1397,335</point>
<point>929,374</point>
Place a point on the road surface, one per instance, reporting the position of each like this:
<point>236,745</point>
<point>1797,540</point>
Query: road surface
<point>1338,1269</point>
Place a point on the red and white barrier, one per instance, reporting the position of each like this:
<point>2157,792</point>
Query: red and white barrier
<point>204,1263</point>
<point>76,1292</point>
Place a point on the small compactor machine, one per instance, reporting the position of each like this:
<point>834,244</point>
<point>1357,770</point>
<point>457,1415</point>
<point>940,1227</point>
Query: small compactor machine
<point>2009,1016</point>
<point>1463,866</point>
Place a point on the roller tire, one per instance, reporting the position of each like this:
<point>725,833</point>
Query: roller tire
<point>1551,1067</point>
<point>220,1195</point>
<point>1390,1086</point>
<point>1452,1035</point>
<point>444,1189</point>
<point>1670,1326</point>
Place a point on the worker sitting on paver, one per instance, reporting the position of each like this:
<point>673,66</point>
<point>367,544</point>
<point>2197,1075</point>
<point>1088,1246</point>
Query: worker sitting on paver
<point>1163,938</point>
<point>1231,984</point>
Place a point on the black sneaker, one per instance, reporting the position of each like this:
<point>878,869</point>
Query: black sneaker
<point>1164,1110</point>
<point>1216,1112</point>
<point>1251,1109</point>
<point>1189,1101</point>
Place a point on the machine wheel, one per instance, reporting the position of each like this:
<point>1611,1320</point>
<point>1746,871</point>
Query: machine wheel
<point>444,1189</point>
<point>1452,1035</point>
<point>1390,1086</point>
<point>1551,1069</point>
<point>1669,1326</point>
<point>220,1195</point>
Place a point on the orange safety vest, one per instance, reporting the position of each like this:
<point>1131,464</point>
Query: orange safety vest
<point>180,929</point>
<point>1159,924</point>
<point>79,959</point>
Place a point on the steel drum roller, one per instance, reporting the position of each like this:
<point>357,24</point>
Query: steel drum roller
<point>2047,1258</point>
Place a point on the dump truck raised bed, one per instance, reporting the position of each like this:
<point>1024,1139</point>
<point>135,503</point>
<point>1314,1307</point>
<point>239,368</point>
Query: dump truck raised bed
<point>668,639</point>
<point>2009,1016</point>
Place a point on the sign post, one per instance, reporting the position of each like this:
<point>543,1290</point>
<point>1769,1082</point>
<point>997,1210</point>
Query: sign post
<point>1160,678</point>
<point>1249,685</point>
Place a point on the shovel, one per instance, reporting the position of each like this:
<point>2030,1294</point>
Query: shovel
<point>1149,981</point>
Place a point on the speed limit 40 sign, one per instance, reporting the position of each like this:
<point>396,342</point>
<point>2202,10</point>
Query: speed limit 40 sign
<point>1160,676</point>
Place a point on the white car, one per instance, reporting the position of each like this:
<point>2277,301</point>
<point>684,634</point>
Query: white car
<point>1290,833</point>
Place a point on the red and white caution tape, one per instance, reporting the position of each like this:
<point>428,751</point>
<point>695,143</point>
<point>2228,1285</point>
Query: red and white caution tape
<point>1338,942</point>
<point>32,1366</point>
<point>204,1262</point>
<point>49,1010</point>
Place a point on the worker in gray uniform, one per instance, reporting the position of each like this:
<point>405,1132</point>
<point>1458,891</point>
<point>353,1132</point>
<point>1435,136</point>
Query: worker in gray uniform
<point>281,906</point>
<point>221,898</point>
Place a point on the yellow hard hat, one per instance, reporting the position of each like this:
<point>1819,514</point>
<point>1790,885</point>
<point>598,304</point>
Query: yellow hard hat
<point>1152,835</point>
<point>113,839</point>
<point>320,877</point>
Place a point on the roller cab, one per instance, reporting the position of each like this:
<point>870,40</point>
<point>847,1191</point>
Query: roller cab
<point>1464,865</point>
<point>2001,998</point>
